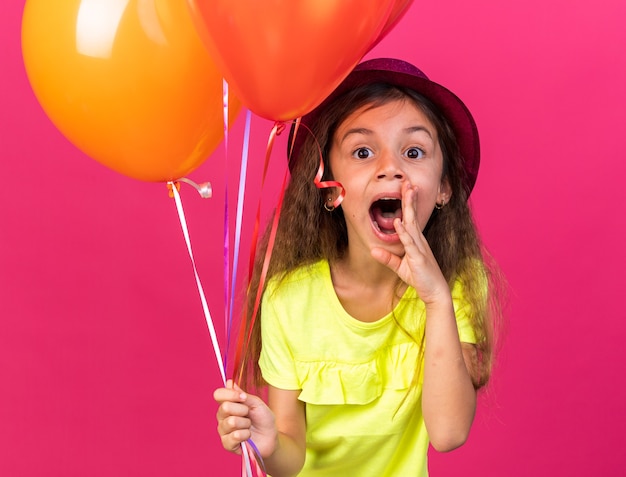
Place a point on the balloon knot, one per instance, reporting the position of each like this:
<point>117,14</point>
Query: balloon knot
<point>170,190</point>
<point>280,127</point>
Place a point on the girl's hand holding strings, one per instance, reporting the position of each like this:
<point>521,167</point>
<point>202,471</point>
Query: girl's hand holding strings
<point>418,266</point>
<point>242,416</point>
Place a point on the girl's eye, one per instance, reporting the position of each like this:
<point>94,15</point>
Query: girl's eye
<point>414,153</point>
<point>362,153</point>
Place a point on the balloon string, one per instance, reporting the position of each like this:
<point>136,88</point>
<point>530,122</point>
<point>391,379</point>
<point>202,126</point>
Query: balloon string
<point>264,270</point>
<point>320,173</point>
<point>296,127</point>
<point>257,303</point>
<point>248,452</point>
<point>243,344</point>
<point>183,222</point>
<point>327,184</point>
<point>225,104</point>
<point>243,340</point>
<point>204,189</point>
<point>246,470</point>
<point>276,130</point>
<point>238,227</point>
<point>226,246</point>
<point>320,170</point>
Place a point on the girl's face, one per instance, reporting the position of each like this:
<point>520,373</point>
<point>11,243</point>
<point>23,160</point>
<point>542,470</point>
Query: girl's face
<point>374,152</point>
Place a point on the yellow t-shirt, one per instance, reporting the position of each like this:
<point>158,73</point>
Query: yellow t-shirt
<point>363,417</point>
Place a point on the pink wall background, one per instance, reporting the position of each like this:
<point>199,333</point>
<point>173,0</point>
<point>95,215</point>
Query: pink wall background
<point>106,366</point>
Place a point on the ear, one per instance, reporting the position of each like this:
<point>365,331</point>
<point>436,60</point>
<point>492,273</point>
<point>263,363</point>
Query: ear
<point>445,192</point>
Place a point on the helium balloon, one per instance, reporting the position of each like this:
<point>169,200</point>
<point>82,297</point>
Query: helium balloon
<point>282,58</point>
<point>128,82</point>
<point>397,12</point>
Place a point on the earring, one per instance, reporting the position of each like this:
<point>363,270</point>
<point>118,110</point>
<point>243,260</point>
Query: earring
<point>441,205</point>
<point>328,205</point>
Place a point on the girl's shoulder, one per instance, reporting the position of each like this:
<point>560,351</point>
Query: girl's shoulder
<point>304,275</point>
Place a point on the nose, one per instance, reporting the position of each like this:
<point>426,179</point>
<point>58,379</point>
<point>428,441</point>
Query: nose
<point>389,166</point>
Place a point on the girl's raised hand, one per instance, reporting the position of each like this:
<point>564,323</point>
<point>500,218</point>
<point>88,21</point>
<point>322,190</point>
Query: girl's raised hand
<point>242,416</point>
<point>418,266</point>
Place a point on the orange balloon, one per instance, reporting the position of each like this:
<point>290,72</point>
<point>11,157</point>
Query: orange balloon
<point>128,82</point>
<point>282,58</point>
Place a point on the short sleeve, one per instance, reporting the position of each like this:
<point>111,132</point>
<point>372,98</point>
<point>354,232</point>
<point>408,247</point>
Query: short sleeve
<point>276,360</point>
<point>462,310</point>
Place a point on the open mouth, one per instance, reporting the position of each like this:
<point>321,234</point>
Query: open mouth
<point>383,212</point>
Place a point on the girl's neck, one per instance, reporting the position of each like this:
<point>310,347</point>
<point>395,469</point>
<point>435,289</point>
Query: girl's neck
<point>367,290</point>
<point>364,272</point>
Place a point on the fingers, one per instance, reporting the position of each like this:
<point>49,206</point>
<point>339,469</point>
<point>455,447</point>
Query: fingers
<point>234,430</point>
<point>229,408</point>
<point>231,392</point>
<point>232,401</point>
<point>233,425</point>
<point>408,229</point>
<point>410,221</point>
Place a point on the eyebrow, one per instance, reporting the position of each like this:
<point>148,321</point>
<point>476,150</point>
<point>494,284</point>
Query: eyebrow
<point>349,132</point>
<point>366,132</point>
<point>418,129</point>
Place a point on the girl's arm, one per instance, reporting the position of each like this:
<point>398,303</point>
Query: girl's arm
<point>448,393</point>
<point>288,457</point>
<point>279,435</point>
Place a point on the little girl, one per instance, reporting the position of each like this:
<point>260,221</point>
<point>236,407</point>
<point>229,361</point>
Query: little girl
<point>374,331</point>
